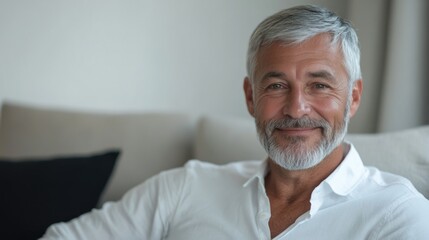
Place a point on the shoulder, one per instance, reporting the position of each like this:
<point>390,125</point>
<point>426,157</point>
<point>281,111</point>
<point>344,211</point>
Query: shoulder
<point>200,172</point>
<point>218,183</point>
<point>406,218</point>
<point>390,183</point>
<point>388,190</point>
<point>405,210</point>
<point>232,172</point>
<point>244,168</point>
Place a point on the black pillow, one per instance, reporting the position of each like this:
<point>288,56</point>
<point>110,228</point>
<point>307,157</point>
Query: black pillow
<point>35,193</point>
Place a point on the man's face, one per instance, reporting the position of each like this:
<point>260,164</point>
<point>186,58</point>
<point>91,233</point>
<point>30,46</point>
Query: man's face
<point>300,100</point>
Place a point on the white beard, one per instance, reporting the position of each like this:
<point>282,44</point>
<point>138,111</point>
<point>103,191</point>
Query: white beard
<point>296,155</point>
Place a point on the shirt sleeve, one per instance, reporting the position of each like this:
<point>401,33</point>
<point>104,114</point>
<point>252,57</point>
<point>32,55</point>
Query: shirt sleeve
<point>408,221</point>
<point>143,213</point>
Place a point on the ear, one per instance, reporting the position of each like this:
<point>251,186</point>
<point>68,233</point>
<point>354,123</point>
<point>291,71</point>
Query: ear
<point>248,93</point>
<point>356,97</point>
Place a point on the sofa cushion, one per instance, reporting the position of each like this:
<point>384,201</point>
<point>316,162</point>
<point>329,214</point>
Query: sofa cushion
<point>36,193</point>
<point>222,140</point>
<point>406,153</point>
<point>149,142</point>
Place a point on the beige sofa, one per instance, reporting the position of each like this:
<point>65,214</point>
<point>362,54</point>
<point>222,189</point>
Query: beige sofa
<point>152,142</point>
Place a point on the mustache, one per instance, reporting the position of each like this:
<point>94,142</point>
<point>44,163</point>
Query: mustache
<point>304,122</point>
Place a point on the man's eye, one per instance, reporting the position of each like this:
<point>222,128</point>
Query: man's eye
<point>275,86</point>
<point>320,86</point>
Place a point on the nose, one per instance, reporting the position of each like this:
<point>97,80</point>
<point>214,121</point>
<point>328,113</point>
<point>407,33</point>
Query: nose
<point>296,105</point>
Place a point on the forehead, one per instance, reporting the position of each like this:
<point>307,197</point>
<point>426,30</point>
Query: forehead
<point>316,53</point>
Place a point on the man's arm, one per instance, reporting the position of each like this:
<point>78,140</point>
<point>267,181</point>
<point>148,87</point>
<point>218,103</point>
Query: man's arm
<point>143,213</point>
<point>408,220</point>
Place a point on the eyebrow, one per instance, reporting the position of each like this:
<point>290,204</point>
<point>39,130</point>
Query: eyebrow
<point>322,74</point>
<point>274,74</point>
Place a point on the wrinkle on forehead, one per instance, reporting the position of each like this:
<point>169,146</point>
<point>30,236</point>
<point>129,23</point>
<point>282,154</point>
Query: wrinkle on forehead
<point>324,58</point>
<point>306,47</point>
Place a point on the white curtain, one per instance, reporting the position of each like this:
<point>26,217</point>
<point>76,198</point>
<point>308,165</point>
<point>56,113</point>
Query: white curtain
<point>395,58</point>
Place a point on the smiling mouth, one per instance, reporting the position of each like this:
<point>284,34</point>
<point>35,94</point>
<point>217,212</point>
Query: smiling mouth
<point>298,131</point>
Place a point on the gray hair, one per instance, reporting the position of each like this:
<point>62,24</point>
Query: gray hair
<point>297,24</point>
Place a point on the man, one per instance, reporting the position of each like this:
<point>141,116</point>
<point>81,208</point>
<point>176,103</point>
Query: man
<point>303,86</point>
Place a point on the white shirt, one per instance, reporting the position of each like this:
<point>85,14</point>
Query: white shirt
<point>206,201</point>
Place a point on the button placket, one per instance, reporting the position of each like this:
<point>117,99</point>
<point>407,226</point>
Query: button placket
<point>264,213</point>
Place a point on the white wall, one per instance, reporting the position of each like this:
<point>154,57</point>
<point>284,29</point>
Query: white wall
<point>131,55</point>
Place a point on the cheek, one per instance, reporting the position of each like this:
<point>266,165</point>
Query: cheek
<point>331,109</point>
<point>329,104</point>
<point>268,108</point>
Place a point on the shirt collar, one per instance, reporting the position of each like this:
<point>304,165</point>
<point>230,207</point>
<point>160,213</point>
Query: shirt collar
<point>347,174</point>
<point>259,175</point>
<point>341,181</point>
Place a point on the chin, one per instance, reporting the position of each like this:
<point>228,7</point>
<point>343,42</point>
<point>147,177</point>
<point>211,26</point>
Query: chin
<point>300,155</point>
